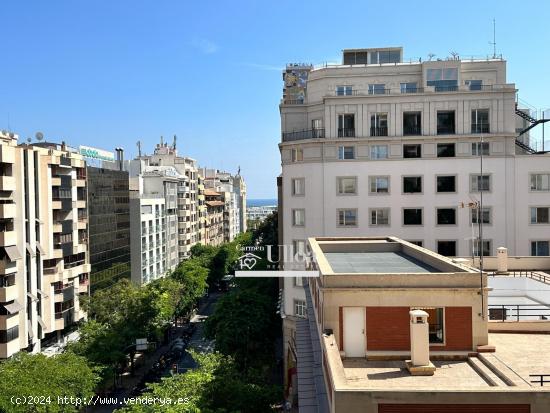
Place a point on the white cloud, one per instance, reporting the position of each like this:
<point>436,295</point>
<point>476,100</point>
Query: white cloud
<point>204,45</point>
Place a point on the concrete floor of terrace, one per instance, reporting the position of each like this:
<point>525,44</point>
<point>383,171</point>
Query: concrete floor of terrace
<point>516,357</point>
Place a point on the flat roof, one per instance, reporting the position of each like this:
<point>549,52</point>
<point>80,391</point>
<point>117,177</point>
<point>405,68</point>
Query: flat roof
<point>376,262</point>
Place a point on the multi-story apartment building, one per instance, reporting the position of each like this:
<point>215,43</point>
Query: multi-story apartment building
<point>109,226</point>
<point>214,222</point>
<point>233,189</point>
<point>380,146</point>
<point>44,266</point>
<point>148,237</point>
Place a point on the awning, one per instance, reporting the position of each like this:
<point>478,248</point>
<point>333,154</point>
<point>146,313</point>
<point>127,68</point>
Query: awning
<point>42,324</point>
<point>13,307</point>
<point>13,252</point>
<point>32,296</point>
<point>30,250</point>
<point>42,293</point>
<point>40,249</point>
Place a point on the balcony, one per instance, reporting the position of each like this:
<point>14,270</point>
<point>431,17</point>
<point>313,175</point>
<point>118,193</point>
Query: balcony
<point>304,134</point>
<point>56,204</point>
<point>378,131</point>
<point>412,131</point>
<point>7,183</point>
<point>7,266</point>
<point>446,88</point>
<point>346,132</point>
<point>480,128</point>
<point>81,204</point>
<point>446,130</point>
<point>7,210</point>
<point>8,238</point>
<point>7,154</point>
<point>8,293</point>
<point>56,181</point>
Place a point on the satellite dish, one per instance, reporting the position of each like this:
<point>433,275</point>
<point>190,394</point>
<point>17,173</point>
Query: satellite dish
<point>39,136</point>
<point>29,140</point>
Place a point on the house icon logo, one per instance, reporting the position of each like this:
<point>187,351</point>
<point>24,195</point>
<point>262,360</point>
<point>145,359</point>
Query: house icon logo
<point>248,261</point>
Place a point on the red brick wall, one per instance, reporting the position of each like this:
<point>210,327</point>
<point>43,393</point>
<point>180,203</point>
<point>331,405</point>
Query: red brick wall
<point>388,328</point>
<point>454,408</point>
<point>458,326</point>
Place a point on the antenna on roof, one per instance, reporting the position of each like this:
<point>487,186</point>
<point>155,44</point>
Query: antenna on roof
<point>174,144</point>
<point>494,42</point>
<point>431,56</point>
<point>139,148</point>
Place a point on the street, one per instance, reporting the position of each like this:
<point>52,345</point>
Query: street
<point>115,399</point>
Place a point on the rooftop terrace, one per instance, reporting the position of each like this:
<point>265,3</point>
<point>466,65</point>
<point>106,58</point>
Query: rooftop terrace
<point>376,262</point>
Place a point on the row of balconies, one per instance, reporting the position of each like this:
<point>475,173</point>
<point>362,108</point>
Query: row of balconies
<point>373,92</point>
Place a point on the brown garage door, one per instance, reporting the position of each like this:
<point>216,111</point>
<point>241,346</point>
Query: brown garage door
<point>454,408</point>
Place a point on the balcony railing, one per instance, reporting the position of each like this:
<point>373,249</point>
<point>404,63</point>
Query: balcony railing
<point>412,130</point>
<point>318,133</point>
<point>480,128</point>
<point>346,132</point>
<point>446,130</point>
<point>378,131</point>
<point>446,88</point>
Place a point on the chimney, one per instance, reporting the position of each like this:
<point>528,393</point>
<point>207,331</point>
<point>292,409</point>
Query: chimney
<point>502,260</point>
<point>419,364</point>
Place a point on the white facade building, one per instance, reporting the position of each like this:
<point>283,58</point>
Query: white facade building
<point>377,147</point>
<point>148,237</point>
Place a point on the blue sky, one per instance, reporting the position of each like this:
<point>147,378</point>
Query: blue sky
<point>106,73</point>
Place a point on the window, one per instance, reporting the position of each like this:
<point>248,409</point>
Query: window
<point>408,87</point>
<point>384,56</point>
<point>346,152</point>
<point>480,121</point>
<point>443,80</point>
<point>377,89</point>
<point>380,216</point>
<point>485,215</point>
<point>446,216</point>
<point>419,243</point>
<point>298,217</point>
<point>412,123</point>
<point>445,122</point>
<point>540,182</point>
<point>412,216</point>
<point>540,215</point>
<point>299,247</point>
<point>299,308</point>
<point>347,217</point>
<point>412,151</point>
<point>445,150</point>
<point>446,184</point>
<point>480,148</point>
<point>346,185</point>
<point>379,124</point>
<point>344,91</point>
<point>480,183</point>
<point>346,125</point>
<point>473,84</point>
<point>435,325</point>
<point>379,151</point>
<point>297,154</point>
<point>298,186</point>
<point>412,184</point>
<point>540,248</point>
<point>316,124</point>
<point>379,184</point>
<point>474,247</point>
<point>447,248</point>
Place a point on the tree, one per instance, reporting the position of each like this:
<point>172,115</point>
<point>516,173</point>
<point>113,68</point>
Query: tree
<point>191,275</point>
<point>35,374</point>
<point>244,325</point>
<point>215,386</point>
